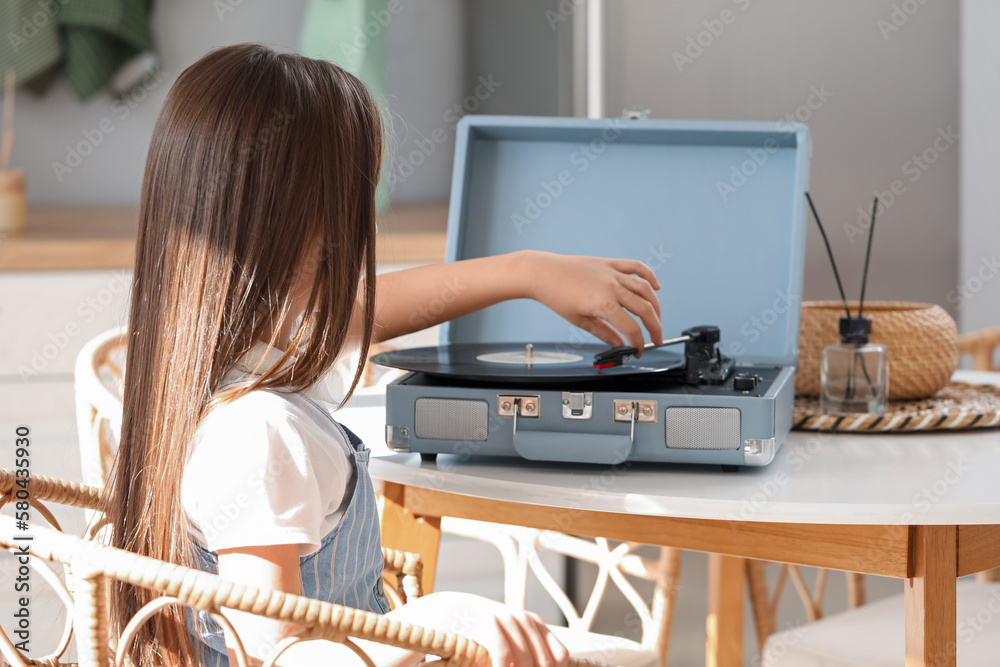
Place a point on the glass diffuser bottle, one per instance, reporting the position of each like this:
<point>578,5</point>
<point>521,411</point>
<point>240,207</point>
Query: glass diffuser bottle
<point>854,373</point>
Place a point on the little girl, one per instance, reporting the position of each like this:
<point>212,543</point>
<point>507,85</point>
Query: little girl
<point>254,271</point>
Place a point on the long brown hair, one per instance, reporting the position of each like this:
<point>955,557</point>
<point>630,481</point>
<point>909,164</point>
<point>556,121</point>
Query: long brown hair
<point>255,157</point>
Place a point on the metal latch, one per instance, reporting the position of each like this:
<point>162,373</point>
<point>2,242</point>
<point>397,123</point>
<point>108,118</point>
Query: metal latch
<point>646,412</point>
<point>522,406</point>
<point>577,404</point>
<point>635,113</point>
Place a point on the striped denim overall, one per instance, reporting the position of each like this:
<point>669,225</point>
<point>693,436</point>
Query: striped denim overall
<point>347,568</point>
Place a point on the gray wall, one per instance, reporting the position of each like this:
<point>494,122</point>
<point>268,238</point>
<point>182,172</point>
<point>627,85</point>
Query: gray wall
<point>425,71</point>
<point>887,95</point>
<point>438,50</point>
<point>112,172</point>
<point>491,57</point>
<point>426,79</point>
<point>888,98</point>
<point>977,289</point>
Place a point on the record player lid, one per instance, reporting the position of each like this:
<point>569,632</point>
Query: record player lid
<point>716,209</point>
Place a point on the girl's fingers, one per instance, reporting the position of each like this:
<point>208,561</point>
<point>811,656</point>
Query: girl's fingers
<point>602,330</point>
<point>537,631</point>
<point>641,287</point>
<point>557,653</point>
<point>519,645</point>
<point>644,310</point>
<point>502,657</point>
<point>636,267</point>
<point>628,327</point>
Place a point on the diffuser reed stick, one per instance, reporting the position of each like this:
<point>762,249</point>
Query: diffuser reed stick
<point>868,254</point>
<point>829,252</point>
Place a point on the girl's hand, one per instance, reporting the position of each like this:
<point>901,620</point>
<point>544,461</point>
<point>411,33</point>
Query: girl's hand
<point>594,293</point>
<point>597,294</point>
<point>512,637</point>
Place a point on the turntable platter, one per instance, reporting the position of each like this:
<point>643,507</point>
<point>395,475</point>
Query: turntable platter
<point>545,362</point>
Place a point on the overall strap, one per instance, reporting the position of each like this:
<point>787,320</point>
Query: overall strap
<point>357,447</point>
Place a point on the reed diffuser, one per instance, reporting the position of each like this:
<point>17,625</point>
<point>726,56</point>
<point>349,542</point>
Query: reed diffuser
<point>854,373</point>
<point>13,201</point>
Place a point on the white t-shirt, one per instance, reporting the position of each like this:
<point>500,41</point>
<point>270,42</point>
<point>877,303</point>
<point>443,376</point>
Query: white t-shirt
<point>267,469</point>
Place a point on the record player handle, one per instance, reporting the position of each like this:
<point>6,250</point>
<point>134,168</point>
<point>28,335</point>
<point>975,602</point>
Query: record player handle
<point>566,447</point>
<point>573,447</point>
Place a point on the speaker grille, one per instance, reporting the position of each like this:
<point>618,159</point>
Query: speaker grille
<point>451,419</point>
<point>703,428</point>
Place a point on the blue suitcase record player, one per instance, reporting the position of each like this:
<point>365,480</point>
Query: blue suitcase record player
<point>716,209</point>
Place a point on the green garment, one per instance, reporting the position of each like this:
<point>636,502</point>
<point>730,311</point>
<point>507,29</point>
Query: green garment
<point>29,40</point>
<point>350,33</point>
<point>89,39</point>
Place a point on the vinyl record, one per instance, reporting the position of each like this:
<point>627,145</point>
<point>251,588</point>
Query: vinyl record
<point>510,361</point>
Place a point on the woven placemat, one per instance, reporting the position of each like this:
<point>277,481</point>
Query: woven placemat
<point>957,406</point>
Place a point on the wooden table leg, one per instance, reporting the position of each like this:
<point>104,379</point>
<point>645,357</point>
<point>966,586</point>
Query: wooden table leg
<point>724,647</point>
<point>930,598</point>
<point>401,529</point>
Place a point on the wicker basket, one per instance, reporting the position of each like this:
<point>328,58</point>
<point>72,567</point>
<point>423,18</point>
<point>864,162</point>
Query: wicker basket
<point>921,337</point>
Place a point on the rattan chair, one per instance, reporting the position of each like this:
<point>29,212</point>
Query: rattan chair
<point>98,381</point>
<point>982,346</point>
<point>870,634</point>
<point>522,551</point>
<point>97,376</point>
<point>92,565</point>
<point>764,600</point>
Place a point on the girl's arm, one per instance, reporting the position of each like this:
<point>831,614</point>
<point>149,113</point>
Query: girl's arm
<point>268,567</point>
<point>596,294</point>
<point>277,568</point>
<point>511,636</point>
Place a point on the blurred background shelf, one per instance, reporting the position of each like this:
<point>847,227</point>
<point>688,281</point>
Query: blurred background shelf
<point>72,238</point>
<point>80,238</point>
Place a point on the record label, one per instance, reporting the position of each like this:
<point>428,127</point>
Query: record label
<point>521,358</point>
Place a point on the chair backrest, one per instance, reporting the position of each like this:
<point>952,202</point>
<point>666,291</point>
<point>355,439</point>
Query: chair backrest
<point>981,346</point>
<point>93,564</point>
<point>98,378</point>
<point>99,375</point>
<point>13,490</point>
<point>764,602</point>
<point>522,552</point>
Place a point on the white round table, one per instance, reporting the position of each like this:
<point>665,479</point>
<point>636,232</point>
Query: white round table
<point>919,506</point>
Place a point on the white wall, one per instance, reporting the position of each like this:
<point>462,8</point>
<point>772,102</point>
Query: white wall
<point>977,289</point>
